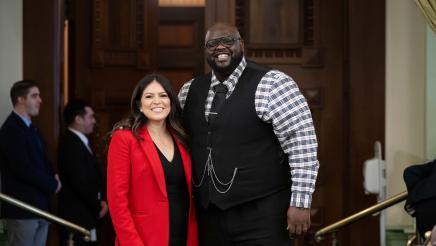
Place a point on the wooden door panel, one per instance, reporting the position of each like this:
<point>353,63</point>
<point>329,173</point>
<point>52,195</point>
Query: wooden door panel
<point>181,35</point>
<point>124,33</point>
<point>114,45</point>
<point>111,39</point>
<point>296,48</point>
<point>318,44</point>
<point>178,76</point>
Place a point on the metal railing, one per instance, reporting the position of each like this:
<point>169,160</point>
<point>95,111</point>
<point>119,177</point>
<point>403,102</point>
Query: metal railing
<point>333,228</point>
<point>414,240</point>
<point>48,216</point>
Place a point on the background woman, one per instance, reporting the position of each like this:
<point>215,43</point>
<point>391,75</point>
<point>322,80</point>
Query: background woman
<point>149,171</point>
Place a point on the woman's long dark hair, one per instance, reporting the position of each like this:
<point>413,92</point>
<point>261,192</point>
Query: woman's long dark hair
<point>137,119</point>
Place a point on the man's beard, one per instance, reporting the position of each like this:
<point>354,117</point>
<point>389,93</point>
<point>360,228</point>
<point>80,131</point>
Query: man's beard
<point>227,70</point>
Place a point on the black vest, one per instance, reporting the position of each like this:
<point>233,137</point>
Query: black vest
<point>243,147</point>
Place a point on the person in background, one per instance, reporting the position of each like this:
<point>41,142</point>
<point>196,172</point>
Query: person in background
<point>26,173</point>
<point>149,171</point>
<point>421,199</point>
<point>82,199</point>
<point>253,148</point>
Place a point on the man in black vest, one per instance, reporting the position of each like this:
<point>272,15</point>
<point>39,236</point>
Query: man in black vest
<point>253,148</point>
<point>26,173</point>
<point>82,199</point>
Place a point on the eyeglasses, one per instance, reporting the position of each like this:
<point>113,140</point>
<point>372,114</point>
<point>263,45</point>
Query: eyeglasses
<point>225,41</point>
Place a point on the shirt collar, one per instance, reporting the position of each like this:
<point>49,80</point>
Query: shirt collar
<point>80,135</point>
<point>26,121</point>
<point>231,81</point>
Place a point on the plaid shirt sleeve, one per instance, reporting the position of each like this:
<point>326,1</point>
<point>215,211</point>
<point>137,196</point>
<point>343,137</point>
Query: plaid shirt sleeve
<point>183,93</point>
<point>279,102</point>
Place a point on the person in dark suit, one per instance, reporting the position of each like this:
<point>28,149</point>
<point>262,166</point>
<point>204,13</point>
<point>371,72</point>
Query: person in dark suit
<point>421,200</point>
<point>26,173</point>
<point>81,201</point>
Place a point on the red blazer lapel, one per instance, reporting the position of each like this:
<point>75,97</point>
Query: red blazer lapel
<point>153,159</point>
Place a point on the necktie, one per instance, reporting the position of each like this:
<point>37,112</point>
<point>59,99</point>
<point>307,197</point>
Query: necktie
<point>36,136</point>
<point>217,102</point>
<point>88,146</point>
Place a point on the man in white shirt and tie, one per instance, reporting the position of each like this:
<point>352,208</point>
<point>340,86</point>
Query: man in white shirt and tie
<point>82,200</point>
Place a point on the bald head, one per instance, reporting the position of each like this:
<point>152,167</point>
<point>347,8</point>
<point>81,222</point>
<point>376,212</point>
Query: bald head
<point>224,49</point>
<point>223,29</point>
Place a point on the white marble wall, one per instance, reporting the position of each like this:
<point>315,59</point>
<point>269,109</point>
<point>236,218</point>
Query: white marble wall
<point>405,98</point>
<point>11,50</point>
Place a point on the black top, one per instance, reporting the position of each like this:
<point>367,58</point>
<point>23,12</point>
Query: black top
<point>178,197</point>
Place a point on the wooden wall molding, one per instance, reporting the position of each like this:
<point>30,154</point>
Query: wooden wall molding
<point>220,11</point>
<point>136,37</point>
<point>298,44</point>
<point>42,59</point>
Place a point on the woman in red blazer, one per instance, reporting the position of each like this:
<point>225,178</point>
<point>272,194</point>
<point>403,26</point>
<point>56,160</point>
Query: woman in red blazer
<point>149,171</point>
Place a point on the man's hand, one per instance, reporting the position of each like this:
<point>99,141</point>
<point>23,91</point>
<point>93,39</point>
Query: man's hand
<point>58,188</point>
<point>298,221</point>
<point>103,209</point>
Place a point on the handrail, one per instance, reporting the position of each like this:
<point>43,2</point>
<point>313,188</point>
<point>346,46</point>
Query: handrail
<point>411,240</point>
<point>20,204</point>
<point>427,237</point>
<point>357,216</point>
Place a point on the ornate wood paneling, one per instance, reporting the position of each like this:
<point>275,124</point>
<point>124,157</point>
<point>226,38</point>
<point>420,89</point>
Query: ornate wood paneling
<point>181,38</point>
<point>286,34</point>
<point>121,41</point>
<point>336,56</point>
<point>280,31</point>
<point>42,54</point>
<point>220,11</point>
<point>366,102</point>
<point>176,35</point>
<point>274,22</point>
<point>178,76</point>
<point>115,43</point>
<point>308,40</point>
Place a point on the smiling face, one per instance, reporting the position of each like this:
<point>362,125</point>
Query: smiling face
<point>224,48</point>
<point>155,103</point>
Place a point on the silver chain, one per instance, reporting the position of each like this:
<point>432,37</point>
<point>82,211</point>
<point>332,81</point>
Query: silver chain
<point>206,167</point>
<point>213,176</point>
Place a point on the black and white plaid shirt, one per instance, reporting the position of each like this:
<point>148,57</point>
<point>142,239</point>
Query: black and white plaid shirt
<point>279,101</point>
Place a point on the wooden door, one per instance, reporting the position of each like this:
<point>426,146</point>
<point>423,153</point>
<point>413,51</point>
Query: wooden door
<point>331,49</point>
<point>180,46</point>
<point>300,42</point>
<point>328,48</point>
<point>114,43</point>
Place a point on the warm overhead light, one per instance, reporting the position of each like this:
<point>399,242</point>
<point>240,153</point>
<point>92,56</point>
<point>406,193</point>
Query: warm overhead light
<point>181,3</point>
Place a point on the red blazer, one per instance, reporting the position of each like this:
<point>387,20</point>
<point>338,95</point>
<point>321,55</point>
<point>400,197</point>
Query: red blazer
<point>136,191</point>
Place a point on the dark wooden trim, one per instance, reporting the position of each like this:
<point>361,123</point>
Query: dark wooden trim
<point>366,110</point>
<point>42,61</point>
<point>42,58</point>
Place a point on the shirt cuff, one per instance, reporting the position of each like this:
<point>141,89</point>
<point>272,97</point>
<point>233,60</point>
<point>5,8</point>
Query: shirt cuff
<point>301,200</point>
